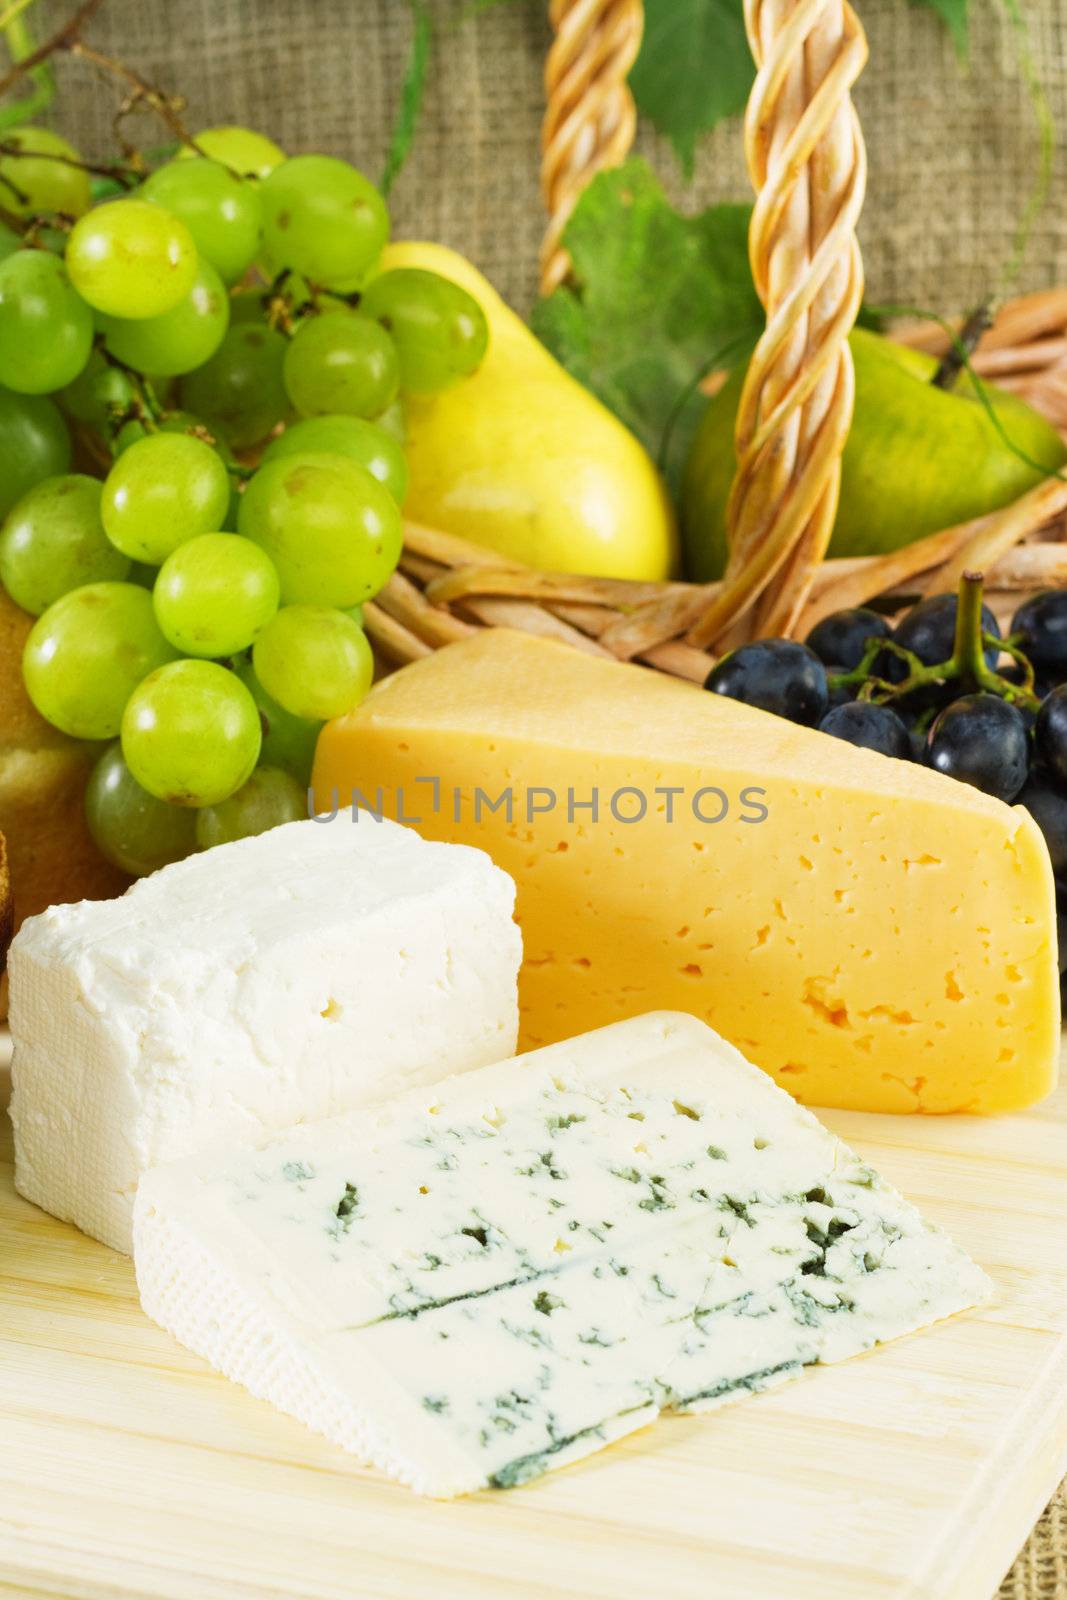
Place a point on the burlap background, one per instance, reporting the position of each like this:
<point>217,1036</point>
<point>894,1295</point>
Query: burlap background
<point>952,151</point>
<point>952,154</point>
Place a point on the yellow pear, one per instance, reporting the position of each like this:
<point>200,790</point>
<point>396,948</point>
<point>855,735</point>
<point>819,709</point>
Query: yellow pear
<point>521,458</point>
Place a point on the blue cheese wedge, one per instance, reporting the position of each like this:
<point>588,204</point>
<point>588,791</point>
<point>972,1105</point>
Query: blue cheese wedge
<point>491,1278</point>
<point>282,979</point>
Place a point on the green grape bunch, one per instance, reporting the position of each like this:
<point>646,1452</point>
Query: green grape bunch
<point>203,373</point>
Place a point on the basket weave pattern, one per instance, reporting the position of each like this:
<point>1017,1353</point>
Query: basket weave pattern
<point>447,586</point>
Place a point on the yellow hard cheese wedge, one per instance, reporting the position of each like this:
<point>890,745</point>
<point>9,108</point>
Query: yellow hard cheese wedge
<point>874,935</point>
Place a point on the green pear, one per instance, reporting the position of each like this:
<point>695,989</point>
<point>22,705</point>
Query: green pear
<point>918,458</point>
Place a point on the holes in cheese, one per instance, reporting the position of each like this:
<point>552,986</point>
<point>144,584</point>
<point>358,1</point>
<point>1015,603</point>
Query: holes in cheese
<point>873,934</point>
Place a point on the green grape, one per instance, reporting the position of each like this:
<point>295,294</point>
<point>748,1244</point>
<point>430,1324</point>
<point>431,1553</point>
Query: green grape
<point>222,212</point>
<point>34,444</point>
<point>130,827</point>
<point>190,733</point>
<point>130,258</point>
<point>345,365</point>
<point>161,491</point>
<point>46,329</point>
<point>269,798</point>
<point>10,241</point>
<point>363,442</point>
<point>439,329</point>
<point>288,741</point>
<point>180,339</point>
<point>53,541</point>
<point>99,396</point>
<point>392,421</point>
<point>315,661</point>
<point>332,531</point>
<point>88,652</point>
<point>215,594</point>
<point>241,390</point>
<point>240,149</point>
<point>44,177</point>
<point>196,427</point>
<point>323,219</point>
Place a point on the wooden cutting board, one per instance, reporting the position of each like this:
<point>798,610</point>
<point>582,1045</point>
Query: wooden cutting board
<point>129,1470</point>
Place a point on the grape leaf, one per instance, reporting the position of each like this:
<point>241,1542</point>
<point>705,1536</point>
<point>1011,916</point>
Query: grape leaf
<point>953,14</point>
<point>656,300</point>
<point>411,97</point>
<point>693,69</point>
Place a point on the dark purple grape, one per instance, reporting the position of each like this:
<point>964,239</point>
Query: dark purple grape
<point>776,675</point>
<point>1050,734</point>
<point>928,630</point>
<point>1061,938</point>
<point>1041,623</point>
<point>843,637</point>
<point>869,726</point>
<point>1049,810</point>
<point>981,740</point>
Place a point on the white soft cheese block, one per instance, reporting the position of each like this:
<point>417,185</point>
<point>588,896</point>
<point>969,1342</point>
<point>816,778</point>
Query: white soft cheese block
<point>501,1274</point>
<point>281,979</point>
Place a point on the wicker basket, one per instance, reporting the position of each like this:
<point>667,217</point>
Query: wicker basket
<point>805,155</point>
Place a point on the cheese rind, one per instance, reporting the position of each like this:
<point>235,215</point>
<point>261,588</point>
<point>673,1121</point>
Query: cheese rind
<point>505,1272</point>
<point>280,979</point>
<point>881,937</point>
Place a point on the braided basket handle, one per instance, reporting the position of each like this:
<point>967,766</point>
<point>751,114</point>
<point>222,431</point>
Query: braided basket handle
<point>590,119</point>
<point>807,162</point>
<point>808,166</point>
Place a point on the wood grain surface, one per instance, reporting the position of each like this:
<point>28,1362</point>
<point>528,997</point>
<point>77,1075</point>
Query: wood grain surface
<point>129,1471</point>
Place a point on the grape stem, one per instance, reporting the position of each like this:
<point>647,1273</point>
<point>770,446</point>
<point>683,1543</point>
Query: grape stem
<point>144,406</point>
<point>30,228</point>
<point>20,197</point>
<point>64,38</point>
<point>58,221</point>
<point>966,664</point>
<point>126,176</point>
<point>168,107</point>
<point>281,311</point>
<point>140,93</point>
<point>955,357</point>
<point>277,305</point>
